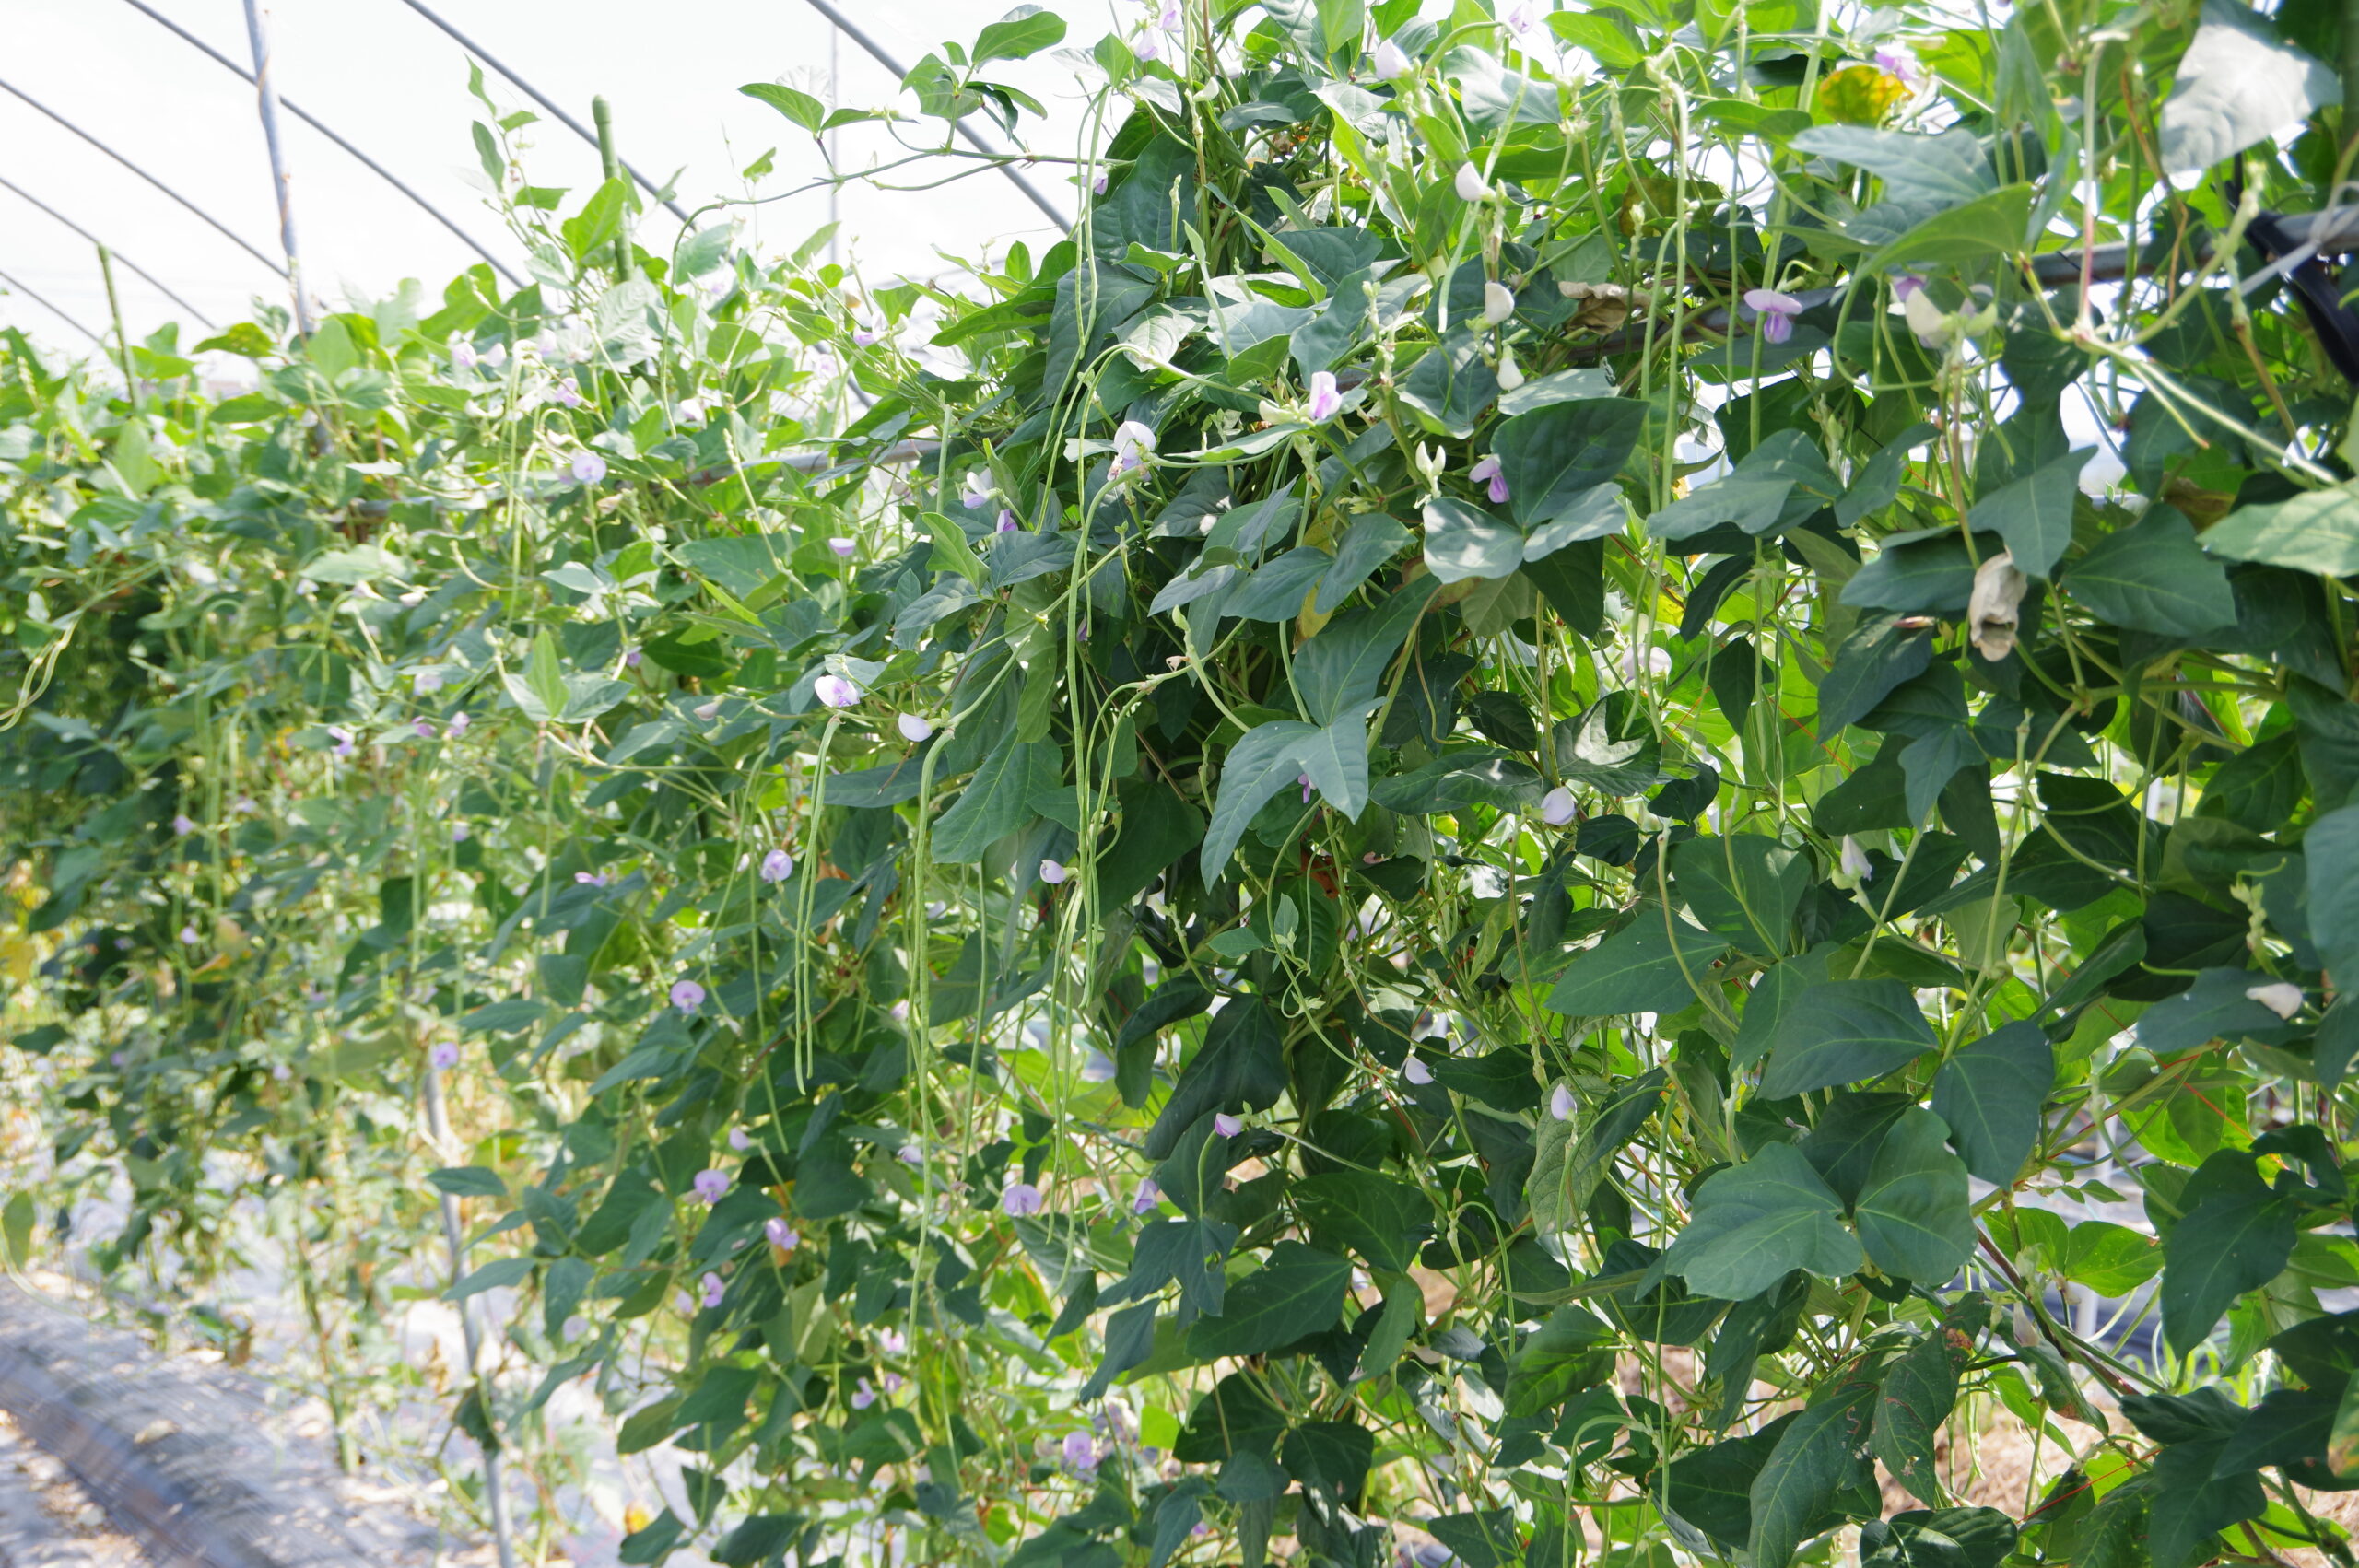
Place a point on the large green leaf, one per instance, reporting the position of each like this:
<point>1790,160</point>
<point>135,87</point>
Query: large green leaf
<point>1937,171</point>
<point>1755,1223</point>
<point>1268,758</point>
<point>1881,655</point>
<point>1989,1093</point>
<point>1651,965</point>
<point>2330,850</point>
<point>1569,1165</point>
<point>2233,1234</point>
<point>1842,1032</point>
<point>1816,1460</point>
<point>1746,887</point>
<point>2237,85</point>
<point>1918,1391</point>
<point>2317,531</point>
<point>1241,1065</point>
<point>2153,577</point>
<point>2034,515</point>
<point>1463,541</point>
<point>1019,35</point>
<point>1913,1213</point>
<point>1556,454</point>
<point>997,800</point>
<point>1383,1220</point>
<point>1571,1351</point>
<point>1295,1294</point>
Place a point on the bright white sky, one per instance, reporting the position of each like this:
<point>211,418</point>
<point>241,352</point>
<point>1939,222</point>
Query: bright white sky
<point>392,84</point>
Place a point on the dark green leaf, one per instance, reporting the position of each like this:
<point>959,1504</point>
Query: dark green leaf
<point>1989,1092</point>
<point>1298,1293</point>
<point>1755,1222</point>
<point>1913,1213</point>
<point>1842,1032</point>
<point>2233,1235</point>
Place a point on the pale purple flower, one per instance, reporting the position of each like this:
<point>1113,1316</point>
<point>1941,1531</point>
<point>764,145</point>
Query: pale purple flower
<point>1855,859</point>
<point>842,546</point>
<point>568,395</point>
<point>835,691</point>
<point>898,1012</point>
<point>868,335</point>
<point>777,866</point>
<point>1905,285</point>
<point>1053,872</point>
<point>1133,442</point>
<point>910,1154</point>
<point>1900,63</point>
<point>779,1234</point>
<point>1304,780</point>
<point>1416,1071</point>
<point>1005,523</point>
<point>1522,20</point>
<point>687,995</point>
<point>590,879</point>
<point>462,356</point>
<point>1556,807</point>
<point>631,656</point>
<point>424,727</point>
<point>711,1186</point>
<point>740,1140</point>
<point>1393,62</point>
<point>915,727</point>
<point>587,468</point>
<point>427,681</point>
<point>713,1288</point>
<point>708,711</point>
<point>1146,1197</point>
<point>343,738</point>
<point>1487,471</point>
<point>1227,1126</point>
<point>183,825</point>
<point>1470,184</point>
<point>459,722</point>
<point>443,1057</point>
<point>1150,45</point>
<point>1324,402</point>
<point>1168,19</point>
<point>1778,313</point>
<point>1560,1102</point>
<point>460,833</point>
<point>1080,1453</point>
<point>1021,1199</point>
<point>1098,184</point>
<point>892,1341</point>
<point>893,1382</point>
<point>863,1395</point>
<point>973,493</point>
<point>1097,1067</point>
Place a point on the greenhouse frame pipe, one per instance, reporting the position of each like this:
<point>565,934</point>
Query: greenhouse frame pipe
<point>313,121</point>
<point>282,181</point>
<point>160,286</point>
<point>876,51</point>
<point>567,121</point>
<point>215,224</point>
<point>36,298</point>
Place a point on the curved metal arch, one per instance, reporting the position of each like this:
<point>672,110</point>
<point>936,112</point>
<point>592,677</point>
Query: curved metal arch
<point>567,121</point>
<point>160,286</point>
<point>15,285</point>
<point>212,222</point>
<point>378,170</point>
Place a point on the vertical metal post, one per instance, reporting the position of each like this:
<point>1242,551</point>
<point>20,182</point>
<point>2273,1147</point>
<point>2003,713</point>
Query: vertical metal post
<point>834,138</point>
<point>438,1126</point>
<point>266,93</point>
<point>611,168</point>
<point>121,339</point>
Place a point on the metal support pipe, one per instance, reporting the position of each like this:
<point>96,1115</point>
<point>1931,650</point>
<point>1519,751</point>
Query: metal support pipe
<point>18,288</point>
<point>567,121</point>
<point>222,228</point>
<point>282,183</point>
<point>438,1126</point>
<point>297,110</point>
<point>159,283</point>
<point>876,51</point>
